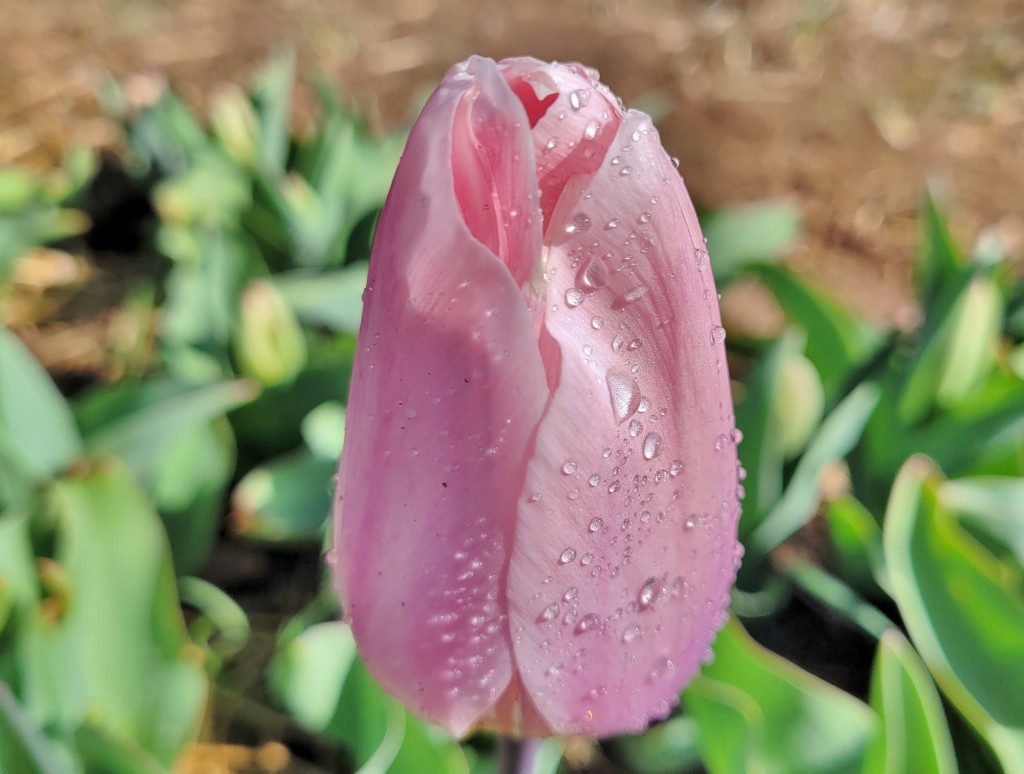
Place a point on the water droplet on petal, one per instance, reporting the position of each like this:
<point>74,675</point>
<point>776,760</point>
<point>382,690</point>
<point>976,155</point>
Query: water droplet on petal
<point>675,468</point>
<point>588,622</point>
<point>635,427</point>
<point>596,323</point>
<point>645,217</point>
<point>592,129</point>
<point>567,556</point>
<point>571,594</point>
<point>652,446</point>
<point>626,171</point>
<point>690,523</point>
<point>549,613</point>
<point>648,593</point>
<point>594,480</point>
<point>580,224</point>
<point>624,393</point>
<point>717,334</point>
<point>629,297</point>
<point>720,442</point>
<point>613,223</point>
<point>595,524</point>
<point>579,98</point>
<point>569,467</point>
<point>573,297</point>
<point>586,559</point>
<point>736,434</point>
<point>631,633</point>
<point>551,145</point>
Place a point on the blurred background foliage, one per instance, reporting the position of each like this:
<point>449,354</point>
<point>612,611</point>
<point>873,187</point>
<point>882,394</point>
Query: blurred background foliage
<point>163,604</point>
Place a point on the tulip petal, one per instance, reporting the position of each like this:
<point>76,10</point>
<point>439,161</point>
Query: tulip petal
<point>621,568</point>
<point>447,390</point>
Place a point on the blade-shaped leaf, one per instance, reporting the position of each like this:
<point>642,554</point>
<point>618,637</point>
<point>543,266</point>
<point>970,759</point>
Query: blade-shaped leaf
<point>143,683</point>
<point>754,233</point>
<point>23,748</point>
<point>991,505</point>
<point>963,618</point>
<point>914,735</point>
<point>836,436</point>
<point>782,718</point>
<point>333,300</point>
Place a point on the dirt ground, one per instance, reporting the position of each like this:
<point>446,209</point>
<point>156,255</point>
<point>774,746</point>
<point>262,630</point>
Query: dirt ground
<point>844,107</point>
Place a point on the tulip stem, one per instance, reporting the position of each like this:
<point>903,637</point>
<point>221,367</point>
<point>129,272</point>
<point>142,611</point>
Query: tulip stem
<point>517,756</point>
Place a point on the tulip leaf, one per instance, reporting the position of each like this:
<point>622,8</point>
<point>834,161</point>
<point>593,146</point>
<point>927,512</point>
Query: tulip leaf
<point>755,233</point>
<point>758,712</point>
<point>142,681</point>
<point>23,749</point>
<point>939,261</point>
<point>857,542</point>
<point>222,619</point>
<point>837,341</point>
<point>835,438</point>
<point>991,507</point>
<point>666,748</point>
<point>761,453</point>
<point>333,299</point>
<point>285,501</point>
<point>101,751</point>
<point>272,94</point>
<point>914,733</point>
<point>836,595</point>
<point>323,430</point>
<point>318,678</point>
<point>962,614</point>
<point>38,436</point>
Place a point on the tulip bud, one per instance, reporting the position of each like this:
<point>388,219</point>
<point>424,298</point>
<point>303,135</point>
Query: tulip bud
<point>270,345</point>
<point>235,124</point>
<point>535,521</point>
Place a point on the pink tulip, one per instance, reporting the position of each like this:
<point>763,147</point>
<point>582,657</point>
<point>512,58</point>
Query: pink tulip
<point>535,527</point>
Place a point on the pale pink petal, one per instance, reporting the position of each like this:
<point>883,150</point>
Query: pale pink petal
<point>626,543</point>
<point>447,389</point>
<point>573,129</point>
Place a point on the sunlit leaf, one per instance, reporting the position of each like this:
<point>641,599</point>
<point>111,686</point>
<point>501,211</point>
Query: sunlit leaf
<point>962,615</point>
<point>914,734</point>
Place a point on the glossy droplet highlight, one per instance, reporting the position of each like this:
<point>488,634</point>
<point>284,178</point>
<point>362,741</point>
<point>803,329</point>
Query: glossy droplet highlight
<point>549,613</point>
<point>573,297</point>
<point>717,334</point>
<point>569,467</point>
<point>579,98</point>
<point>580,224</point>
<point>567,556</point>
<point>652,446</point>
<point>624,393</point>
<point>595,524</point>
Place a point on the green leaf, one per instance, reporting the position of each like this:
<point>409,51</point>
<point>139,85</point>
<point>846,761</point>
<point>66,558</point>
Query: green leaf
<point>666,748</point>
<point>962,614</point>
<point>837,341</point>
<point>970,351</point>
<point>211,192</point>
<point>755,233</point>
<point>223,624</point>
<point>857,541</point>
<point>37,431</point>
<point>104,752</point>
<point>323,430</point>
<point>318,678</point>
<point>23,748</point>
<point>991,506</point>
<point>939,260</point>
<point>272,94</point>
<point>330,299</point>
<point>834,439</point>
<point>835,594</point>
<point>758,712</point>
<point>761,452</point>
<point>914,736</point>
<point>285,501</point>
<point>143,683</point>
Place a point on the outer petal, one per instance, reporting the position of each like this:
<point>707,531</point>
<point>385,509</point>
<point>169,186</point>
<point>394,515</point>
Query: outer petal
<point>447,390</point>
<point>626,542</point>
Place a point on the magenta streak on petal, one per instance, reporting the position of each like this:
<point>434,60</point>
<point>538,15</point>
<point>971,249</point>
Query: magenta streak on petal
<point>633,541</point>
<point>447,390</point>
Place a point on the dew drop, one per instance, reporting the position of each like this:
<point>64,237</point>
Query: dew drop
<point>574,494</point>
<point>588,623</point>
<point>635,344</point>
<point>571,594</point>
<point>618,342</point>
<point>629,297</point>
<point>652,446</point>
<point>645,217</point>
<point>535,497</point>
<point>675,162</point>
<point>614,487</point>
<point>635,427</point>
<point>588,350</point>
<point>624,393</point>
<point>579,98</point>
<point>586,559</point>
<point>736,434</point>
<point>645,406</point>
<point>720,442</point>
<point>613,223</point>
<point>630,633</point>
<point>551,145</point>
<point>594,480</point>
<point>596,323</point>
<point>549,613</point>
<point>573,297</point>
<point>648,593</point>
<point>592,129</point>
<point>592,277</point>
<point>675,468</point>
<point>569,467</point>
<point>595,524</point>
<point>717,334</point>
<point>625,171</point>
<point>580,224</point>
<point>567,556</point>
<point>690,523</point>
<point>606,452</point>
